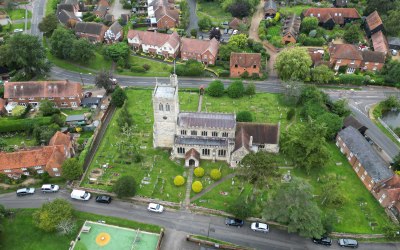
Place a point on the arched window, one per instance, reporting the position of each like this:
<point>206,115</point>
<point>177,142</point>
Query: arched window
<point>167,108</point>
<point>160,107</point>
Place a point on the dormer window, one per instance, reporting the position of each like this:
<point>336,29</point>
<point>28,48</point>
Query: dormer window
<point>319,15</point>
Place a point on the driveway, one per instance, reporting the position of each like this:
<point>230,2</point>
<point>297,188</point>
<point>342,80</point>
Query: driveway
<point>116,9</point>
<point>192,16</point>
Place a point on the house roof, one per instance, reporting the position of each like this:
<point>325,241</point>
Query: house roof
<point>366,155</point>
<point>73,118</point>
<point>206,120</point>
<point>155,38</point>
<point>234,24</point>
<point>270,5</point>
<point>242,139</point>
<point>337,14</point>
<point>90,28</point>
<point>352,121</point>
<point>103,3</point>
<point>199,46</point>
<point>67,7</point>
<point>26,158</point>
<point>245,60</point>
<point>345,51</point>
<point>292,26</point>
<point>165,11</point>
<point>373,56</point>
<point>379,42</point>
<point>42,89</point>
<point>192,153</point>
<point>109,17</point>
<point>60,139</point>
<point>263,133</point>
<point>317,56</point>
<point>73,2</point>
<point>201,141</point>
<point>65,16</point>
<point>394,41</point>
<point>373,20</point>
<point>115,27</point>
<point>90,100</point>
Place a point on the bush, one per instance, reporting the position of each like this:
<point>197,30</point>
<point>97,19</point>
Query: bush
<point>190,68</point>
<point>351,79</point>
<point>244,116</point>
<point>11,125</point>
<point>125,186</point>
<point>146,67</point>
<point>193,32</point>
<point>179,180</point>
<point>197,186</point>
<point>224,73</point>
<point>215,174</point>
<point>235,89</point>
<point>290,114</point>
<point>251,88</point>
<point>199,172</point>
<point>138,69</point>
<point>215,88</point>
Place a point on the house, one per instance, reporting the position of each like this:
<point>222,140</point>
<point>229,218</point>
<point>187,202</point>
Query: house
<point>394,43</point>
<point>369,166</point>
<point>166,18</point>
<point>3,110</point>
<point>236,22</point>
<point>245,62</point>
<point>38,160</point>
<point>270,9</point>
<point>317,56</point>
<point>373,23</point>
<point>329,17</point>
<point>67,18</point>
<point>155,43</point>
<point>372,60</point>
<point>94,32</point>
<point>125,19</point>
<point>109,18</point>
<point>88,102</point>
<point>102,8</point>
<point>200,50</point>
<point>76,120</point>
<point>340,3</point>
<point>67,7</point>
<point>63,94</point>
<point>345,55</point>
<point>388,195</point>
<point>291,29</point>
<point>353,122</point>
<point>74,3</point>
<point>379,42</point>
<point>114,34</point>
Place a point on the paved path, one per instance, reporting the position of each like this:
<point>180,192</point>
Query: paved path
<point>200,103</point>
<point>197,196</point>
<point>193,20</point>
<point>116,9</point>
<point>186,203</point>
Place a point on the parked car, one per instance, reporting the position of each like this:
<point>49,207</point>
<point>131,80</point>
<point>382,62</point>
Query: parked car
<point>50,188</point>
<point>326,241</point>
<point>81,195</point>
<point>153,207</point>
<point>25,191</point>
<point>234,222</point>
<point>259,227</point>
<point>394,52</point>
<point>103,199</point>
<point>225,31</point>
<point>225,23</point>
<point>348,243</point>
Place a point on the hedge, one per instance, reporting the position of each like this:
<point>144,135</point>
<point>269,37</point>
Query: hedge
<point>351,79</point>
<point>12,125</point>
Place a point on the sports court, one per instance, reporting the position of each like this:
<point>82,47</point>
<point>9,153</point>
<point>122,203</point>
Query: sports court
<point>95,235</point>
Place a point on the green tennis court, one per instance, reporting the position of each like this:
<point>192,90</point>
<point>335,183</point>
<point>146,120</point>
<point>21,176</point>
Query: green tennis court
<point>95,235</point>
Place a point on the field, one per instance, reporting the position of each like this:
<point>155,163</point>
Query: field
<point>214,11</point>
<point>156,68</point>
<point>297,9</point>
<point>19,139</point>
<point>17,14</point>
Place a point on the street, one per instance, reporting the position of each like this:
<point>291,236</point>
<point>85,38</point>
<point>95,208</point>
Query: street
<point>38,10</point>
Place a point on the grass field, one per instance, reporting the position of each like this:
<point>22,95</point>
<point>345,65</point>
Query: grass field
<point>214,11</point>
<point>19,139</point>
<point>17,14</point>
<point>156,68</point>
<point>297,9</point>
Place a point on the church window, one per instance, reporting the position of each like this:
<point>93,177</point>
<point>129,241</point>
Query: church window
<point>193,132</point>
<point>221,152</point>
<point>214,133</point>
<point>225,134</point>
<point>167,107</point>
<point>206,151</point>
<point>160,107</point>
<point>181,150</point>
<point>183,132</point>
<point>203,133</point>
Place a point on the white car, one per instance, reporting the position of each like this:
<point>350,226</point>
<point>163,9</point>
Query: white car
<point>153,207</point>
<point>259,227</point>
<point>50,188</point>
<point>25,191</point>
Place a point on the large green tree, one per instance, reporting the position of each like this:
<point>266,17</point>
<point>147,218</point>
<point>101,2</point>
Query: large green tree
<point>215,88</point>
<point>48,24</point>
<point>322,74</point>
<point>241,208</point>
<point>205,23</point>
<point>293,64</point>
<point>125,186</point>
<point>308,24</point>
<point>124,119</point>
<point>51,214</point>
<point>117,51</point>
<point>235,89</point>
<point>82,50</point>
<point>118,97</point>
<point>382,6</point>
<point>391,72</point>
<point>293,205</point>
<point>71,169</point>
<point>391,22</point>
<point>47,108</point>
<point>104,80</point>
<point>333,124</point>
<point>61,43</point>
<point>352,34</point>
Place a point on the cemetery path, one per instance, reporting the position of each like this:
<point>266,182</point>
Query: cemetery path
<point>188,189</point>
<point>212,186</point>
<point>200,103</point>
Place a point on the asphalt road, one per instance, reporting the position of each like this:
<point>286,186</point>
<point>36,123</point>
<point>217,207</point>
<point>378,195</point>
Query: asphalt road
<point>183,221</point>
<point>38,10</point>
<point>193,19</point>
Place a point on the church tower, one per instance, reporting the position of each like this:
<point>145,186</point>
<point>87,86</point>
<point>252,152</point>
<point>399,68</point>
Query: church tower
<point>166,110</point>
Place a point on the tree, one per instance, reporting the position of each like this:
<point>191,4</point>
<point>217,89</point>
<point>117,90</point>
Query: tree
<point>82,50</point>
<point>117,51</point>
<point>104,80</point>
<point>125,186</point>
<point>391,21</point>
<point>205,23</point>
<point>308,24</point>
<point>293,205</point>
<point>259,169</point>
<point>391,72</point>
<point>199,172</point>
<point>72,169</point>
<point>44,133</point>
<point>26,54</point>
<point>66,226</point>
<point>124,119</point>
<point>235,89</point>
<point>340,108</point>
<point>61,43</point>
<point>47,108</point>
<point>190,68</point>
<point>215,33</point>
<point>332,122</point>
<point>118,97</point>
<point>250,89</point>
<point>193,32</point>
<point>240,208</point>
<point>322,74</point>
<point>293,64</point>
<point>382,6</point>
<point>312,93</point>
<point>18,111</point>
<point>352,34</point>
<point>239,9</point>
<point>332,195</point>
<point>56,118</point>
<point>197,186</point>
<point>51,214</point>
<point>3,144</point>
<point>244,116</point>
<point>238,41</point>
<point>215,88</point>
<point>215,174</point>
<point>48,24</point>
<point>391,231</point>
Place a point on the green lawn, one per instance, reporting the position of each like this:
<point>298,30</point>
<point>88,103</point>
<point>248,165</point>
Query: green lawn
<point>17,14</point>
<point>189,101</point>
<point>21,226</point>
<point>50,6</point>
<point>19,139</point>
<point>213,10</point>
<point>297,9</point>
<point>275,30</point>
<point>157,68</point>
<point>78,111</point>
<point>20,26</point>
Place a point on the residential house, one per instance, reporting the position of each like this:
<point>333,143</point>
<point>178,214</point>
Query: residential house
<point>394,43</point>
<point>166,18</point>
<point>109,18</point>
<point>68,18</point>
<point>329,17</point>
<point>75,120</point>
<point>67,7</point>
<point>373,23</point>
<point>38,160</point>
<point>353,122</point>
<point>317,56</point>
<point>345,55</point>
<point>155,43</point>
<point>388,195</point>
<point>94,32</point>
<point>340,3</point>
<point>291,29</point>
<point>372,60</point>
<point>89,102</point>
<point>64,94</point>
<point>74,3</point>
<point>270,9</point>
<point>102,8</point>
<point>3,110</point>
<point>379,42</point>
<point>245,62</point>
<point>200,50</point>
<point>115,33</point>
<point>125,19</point>
<point>369,166</point>
<point>236,22</point>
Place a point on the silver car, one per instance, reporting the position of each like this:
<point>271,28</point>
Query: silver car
<point>25,191</point>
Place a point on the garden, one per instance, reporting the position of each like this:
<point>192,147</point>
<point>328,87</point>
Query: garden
<point>213,11</point>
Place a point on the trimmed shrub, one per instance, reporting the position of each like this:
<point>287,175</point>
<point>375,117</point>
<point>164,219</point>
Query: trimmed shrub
<point>138,69</point>
<point>351,79</point>
<point>235,89</point>
<point>146,67</point>
<point>179,180</point>
<point>224,73</point>
<point>215,174</point>
<point>244,116</point>
<point>199,172</point>
<point>197,186</point>
<point>11,125</point>
<point>215,89</point>
<point>251,87</point>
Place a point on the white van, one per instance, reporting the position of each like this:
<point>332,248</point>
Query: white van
<point>80,195</point>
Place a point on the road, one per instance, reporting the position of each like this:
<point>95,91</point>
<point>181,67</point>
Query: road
<point>38,11</point>
<point>181,221</point>
<point>193,19</point>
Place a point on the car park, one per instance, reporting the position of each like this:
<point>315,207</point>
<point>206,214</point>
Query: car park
<point>259,227</point>
<point>153,207</point>
<point>25,191</point>
<point>50,188</point>
<point>103,199</point>
<point>326,241</point>
<point>348,243</point>
<point>234,222</point>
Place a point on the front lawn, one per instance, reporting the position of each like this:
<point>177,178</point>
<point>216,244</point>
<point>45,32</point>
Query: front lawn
<point>17,14</point>
<point>157,68</point>
<point>213,10</point>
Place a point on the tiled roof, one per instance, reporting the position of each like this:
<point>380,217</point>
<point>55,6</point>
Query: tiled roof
<point>292,26</point>
<point>115,27</point>
<point>65,16</point>
<point>72,118</point>
<point>165,11</point>
<point>242,139</point>
<point>199,46</point>
<point>234,24</point>
<point>316,55</point>
<point>373,56</point>
<point>206,120</point>
<point>270,5</point>
<point>379,42</point>
<point>60,139</point>
<point>103,3</point>
<point>337,14</point>
<point>201,141</point>
<point>67,7</point>
<point>192,153</point>
<point>245,59</point>
<point>262,133</point>
<point>345,51</point>
<point>366,155</point>
<point>42,89</point>
<point>90,28</point>
<point>352,121</point>
<point>155,38</point>
<point>109,17</point>
<point>373,20</point>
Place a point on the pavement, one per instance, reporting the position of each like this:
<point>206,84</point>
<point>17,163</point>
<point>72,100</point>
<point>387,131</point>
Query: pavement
<point>38,11</point>
<point>193,20</point>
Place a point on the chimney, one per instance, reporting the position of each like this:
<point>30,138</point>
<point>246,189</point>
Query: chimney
<point>251,141</point>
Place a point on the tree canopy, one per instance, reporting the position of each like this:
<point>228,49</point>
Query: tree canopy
<point>48,24</point>
<point>104,80</point>
<point>72,169</point>
<point>51,214</point>
<point>215,88</point>
<point>118,97</point>
<point>241,208</point>
<point>244,116</point>
<point>293,64</point>
<point>125,186</point>
<point>205,23</point>
<point>352,34</point>
<point>47,108</point>
<point>322,74</point>
<point>235,89</point>
<point>117,51</point>
<point>308,24</point>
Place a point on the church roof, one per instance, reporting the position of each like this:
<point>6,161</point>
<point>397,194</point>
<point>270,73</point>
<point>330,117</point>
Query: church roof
<point>206,120</point>
<point>262,133</point>
<point>164,91</point>
<point>197,140</point>
<point>192,153</point>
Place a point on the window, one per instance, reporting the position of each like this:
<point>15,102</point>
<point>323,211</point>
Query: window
<point>222,153</point>
<point>339,138</point>
<point>376,64</point>
<point>236,65</point>
<point>64,104</point>
<point>55,169</point>
<point>261,146</point>
<point>372,181</point>
<point>225,134</point>
<point>71,97</point>
<point>181,150</point>
<point>203,133</point>
<point>23,169</point>
<point>160,107</point>
<point>31,98</point>
<point>183,132</point>
<point>351,154</point>
<point>62,98</point>
<point>362,177</point>
<point>26,173</point>
<point>57,174</point>
<point>214,133</point>
<point>366,63</point>
<point>352,61</point>
<point>40,171</point>
<point>359,164</point>
<point>7,171</point>
<point>21,99</point>
<point>193,132</point>
<point>365,173</point>
<point>167,107</point>
<point>206,151</point>
<point>254,66</point>
<point>339,61</point>
<point>382,198</point>
<point>357,169</point>
<point>51,98</point>
<point>38,167</point>
<point>374,68</point>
